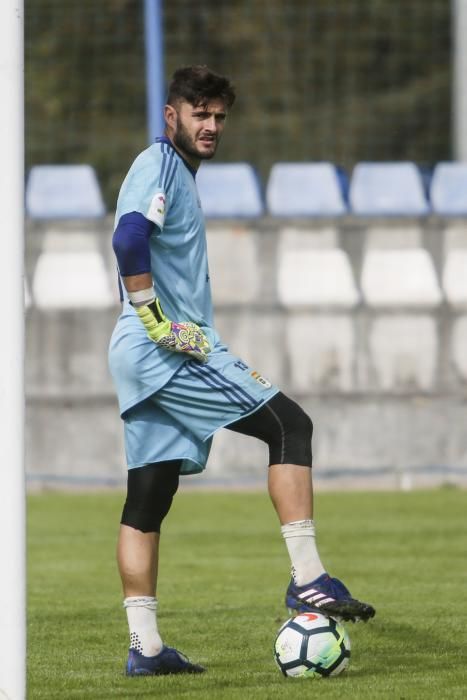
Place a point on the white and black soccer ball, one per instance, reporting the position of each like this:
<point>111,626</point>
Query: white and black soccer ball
<point>312,645</point>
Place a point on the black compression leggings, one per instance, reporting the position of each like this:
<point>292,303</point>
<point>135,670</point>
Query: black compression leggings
<point>150,491</point>
<point>284,426</point>
<point>281,423</point>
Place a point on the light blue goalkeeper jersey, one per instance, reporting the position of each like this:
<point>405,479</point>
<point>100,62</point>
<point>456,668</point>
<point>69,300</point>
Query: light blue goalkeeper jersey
<point>161,186</point>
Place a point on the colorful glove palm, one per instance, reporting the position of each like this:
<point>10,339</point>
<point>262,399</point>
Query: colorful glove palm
<point>177,337</point>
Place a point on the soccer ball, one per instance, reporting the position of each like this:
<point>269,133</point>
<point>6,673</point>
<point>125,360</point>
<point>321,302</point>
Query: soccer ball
<point>312,645</point>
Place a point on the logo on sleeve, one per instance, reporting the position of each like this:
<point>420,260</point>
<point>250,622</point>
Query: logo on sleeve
<point>156,211</point>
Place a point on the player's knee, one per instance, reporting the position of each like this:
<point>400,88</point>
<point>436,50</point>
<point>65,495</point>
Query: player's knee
<point>304,426</point>
<point>150,492</point>
<point>292,444</point>
<point>284,426</point>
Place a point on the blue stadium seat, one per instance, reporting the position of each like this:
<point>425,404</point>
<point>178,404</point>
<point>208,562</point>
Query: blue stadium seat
<point>63,192</point>
<point>387,189</point>
<point>448,191</point>
<point>229,190</point>
<point>305,189</point>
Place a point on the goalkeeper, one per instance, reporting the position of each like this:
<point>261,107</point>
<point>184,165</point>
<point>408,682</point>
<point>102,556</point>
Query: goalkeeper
<point>177,383</point>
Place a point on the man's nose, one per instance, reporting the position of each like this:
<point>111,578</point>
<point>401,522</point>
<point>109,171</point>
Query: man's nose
<point>211,123</point>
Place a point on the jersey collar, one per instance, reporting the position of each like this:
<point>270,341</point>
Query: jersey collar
<point>165,139</point>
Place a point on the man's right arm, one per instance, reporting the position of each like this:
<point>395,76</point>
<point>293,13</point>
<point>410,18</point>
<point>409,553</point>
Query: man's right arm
<point>131,245</point>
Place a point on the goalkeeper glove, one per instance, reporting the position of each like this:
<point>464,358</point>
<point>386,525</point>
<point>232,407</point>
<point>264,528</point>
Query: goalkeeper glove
<point>177,337</point>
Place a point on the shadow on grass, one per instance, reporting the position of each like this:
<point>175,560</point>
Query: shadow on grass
<point>394,644</point>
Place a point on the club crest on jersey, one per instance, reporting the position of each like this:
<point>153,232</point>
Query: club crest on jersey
<point>256,375</point>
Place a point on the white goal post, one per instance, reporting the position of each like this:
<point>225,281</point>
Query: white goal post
<point>12,488</point>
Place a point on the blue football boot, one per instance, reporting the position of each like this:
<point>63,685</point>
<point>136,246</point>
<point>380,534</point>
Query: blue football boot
<point>328,596</point>
<point>168,660</point>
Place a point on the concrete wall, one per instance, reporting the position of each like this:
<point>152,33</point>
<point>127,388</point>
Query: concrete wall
<point>364,322</point>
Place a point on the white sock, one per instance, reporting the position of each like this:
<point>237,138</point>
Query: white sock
<point>141,614</point>
<point>299,537</point>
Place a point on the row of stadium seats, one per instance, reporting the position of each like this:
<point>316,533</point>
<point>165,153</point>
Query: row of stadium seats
<point>384,318</point>
<point>322,189</point>
<point>313,271</point>
<point>233,190</point>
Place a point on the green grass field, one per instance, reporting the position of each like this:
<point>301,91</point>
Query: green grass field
<point>224,570</point>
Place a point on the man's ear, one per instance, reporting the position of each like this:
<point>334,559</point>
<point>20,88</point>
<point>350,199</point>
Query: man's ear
<point>170,116</point>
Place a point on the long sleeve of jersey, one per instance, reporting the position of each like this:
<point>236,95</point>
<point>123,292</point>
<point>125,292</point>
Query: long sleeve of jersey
<point>131,244</point>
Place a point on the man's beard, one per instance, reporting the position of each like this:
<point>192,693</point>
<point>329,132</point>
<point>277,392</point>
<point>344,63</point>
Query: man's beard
<point>184,142</point>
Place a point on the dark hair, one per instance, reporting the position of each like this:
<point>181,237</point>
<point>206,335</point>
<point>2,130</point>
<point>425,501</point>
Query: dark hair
<point>198,85</point>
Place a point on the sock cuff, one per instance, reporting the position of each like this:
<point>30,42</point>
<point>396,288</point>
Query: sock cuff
<point>298,528</point>
<point>148,602</point>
